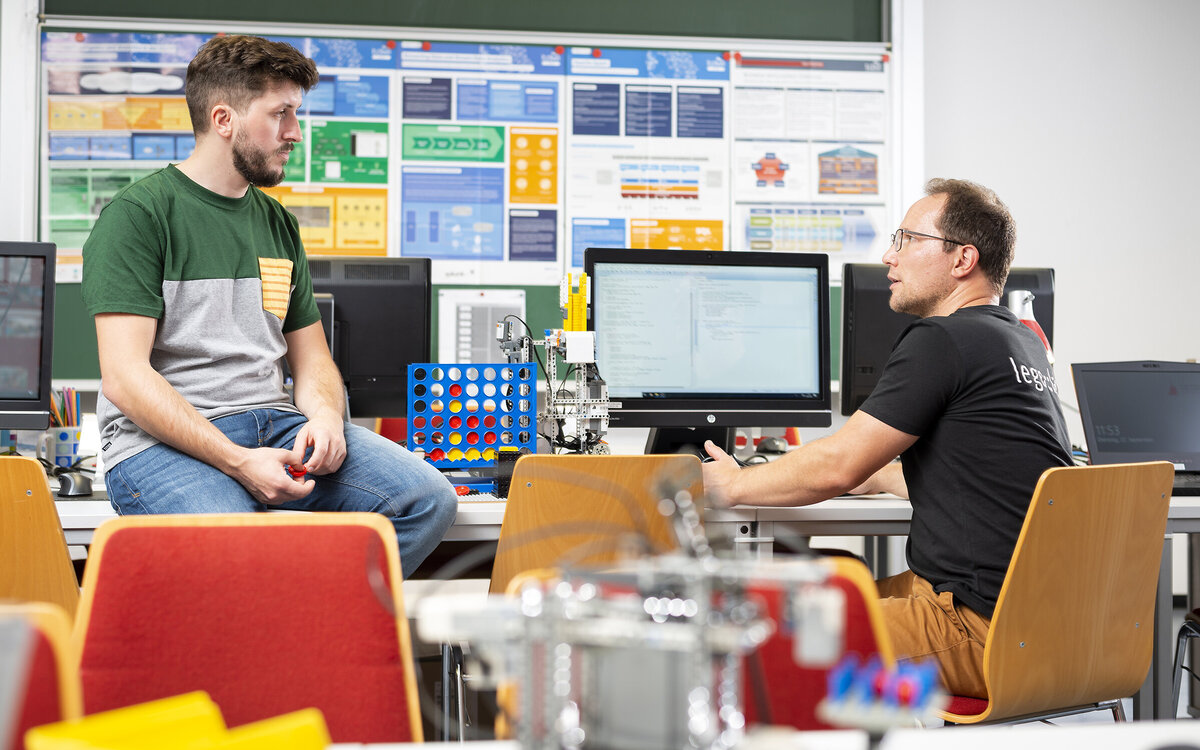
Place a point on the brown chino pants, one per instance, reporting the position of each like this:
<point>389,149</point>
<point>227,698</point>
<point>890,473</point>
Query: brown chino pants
<point>924,624</point>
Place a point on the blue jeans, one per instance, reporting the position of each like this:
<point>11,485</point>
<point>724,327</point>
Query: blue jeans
<point>377,476</point>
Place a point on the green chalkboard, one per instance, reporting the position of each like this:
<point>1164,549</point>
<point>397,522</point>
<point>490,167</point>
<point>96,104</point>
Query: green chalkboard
<point>812,20</point>
<point>75,356</point>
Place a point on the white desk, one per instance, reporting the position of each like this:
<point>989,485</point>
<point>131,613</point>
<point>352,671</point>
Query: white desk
<point>475,522</point>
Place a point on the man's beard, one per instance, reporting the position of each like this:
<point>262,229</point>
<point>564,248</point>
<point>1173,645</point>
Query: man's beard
<point>921,304</point>
<point>255,165</point>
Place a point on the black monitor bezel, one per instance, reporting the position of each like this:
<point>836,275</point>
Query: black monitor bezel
<point>376,394</point>
<point>724,410</point>
<point>870,279</point>
<point>27,413</point>
<point>1190,461</point>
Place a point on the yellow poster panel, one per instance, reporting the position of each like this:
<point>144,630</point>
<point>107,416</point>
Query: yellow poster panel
<point>74,114</point>
<point>338,220</point>
<point>677,234</point>
<point>121,113</point>
<point>533,165</point>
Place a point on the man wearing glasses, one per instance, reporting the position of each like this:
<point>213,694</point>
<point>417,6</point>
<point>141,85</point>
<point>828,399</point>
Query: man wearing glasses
<point>969,403</point>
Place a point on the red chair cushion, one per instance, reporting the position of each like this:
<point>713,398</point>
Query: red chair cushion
<point>267,620</point>
<point>966,706</point>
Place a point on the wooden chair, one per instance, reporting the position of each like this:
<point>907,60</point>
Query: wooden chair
<point>36,642</point>
<point>581,509</point>
<point>1073,629</point>
<point>267,612</point>
<point>34,562</point>
<point>776,689</point>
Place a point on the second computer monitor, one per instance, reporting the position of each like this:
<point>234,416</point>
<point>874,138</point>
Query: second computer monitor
<point>712,340</point>
<point>381,325</point>
<point>870,327</point>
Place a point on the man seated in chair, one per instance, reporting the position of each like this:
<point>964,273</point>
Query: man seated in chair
<point>969,403</point>
<point>199,285</point>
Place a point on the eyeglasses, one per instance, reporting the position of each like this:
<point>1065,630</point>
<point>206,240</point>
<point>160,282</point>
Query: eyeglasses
<point>899,235</point>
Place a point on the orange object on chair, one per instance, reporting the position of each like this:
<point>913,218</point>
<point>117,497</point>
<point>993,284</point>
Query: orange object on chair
<point>268,613</point>
<point>392,428</point>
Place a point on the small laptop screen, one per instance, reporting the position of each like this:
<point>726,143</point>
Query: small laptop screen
<point>1141,412</point>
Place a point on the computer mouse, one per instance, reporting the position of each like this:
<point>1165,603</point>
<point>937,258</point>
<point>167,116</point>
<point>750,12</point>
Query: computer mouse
<point>756,458</point>
<point>74,484</point>
<point>771,445</point>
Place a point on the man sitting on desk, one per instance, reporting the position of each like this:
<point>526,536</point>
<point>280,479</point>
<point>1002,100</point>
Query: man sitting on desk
<point>199,285</point>
<point>969,403</point>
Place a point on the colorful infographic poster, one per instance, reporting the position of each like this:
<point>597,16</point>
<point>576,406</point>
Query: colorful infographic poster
<point>504,161</point>
<point>811,154</point>
<point>647,153</point>
<point>115,111</point>
<point>481,192</point>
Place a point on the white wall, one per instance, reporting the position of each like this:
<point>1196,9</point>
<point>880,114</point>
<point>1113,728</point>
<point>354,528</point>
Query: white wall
<point>1082,115</point>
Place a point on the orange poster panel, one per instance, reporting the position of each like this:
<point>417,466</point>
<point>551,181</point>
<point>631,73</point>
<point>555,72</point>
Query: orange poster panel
<point>677,234</point>
<point>533,166</point>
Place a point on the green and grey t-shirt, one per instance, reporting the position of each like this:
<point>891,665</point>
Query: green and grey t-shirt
<point>225,277</point>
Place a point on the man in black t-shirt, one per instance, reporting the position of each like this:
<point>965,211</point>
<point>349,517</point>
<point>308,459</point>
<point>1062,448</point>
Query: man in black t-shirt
<point>968,401</point>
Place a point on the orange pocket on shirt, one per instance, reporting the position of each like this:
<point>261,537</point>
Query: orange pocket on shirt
<point>276,277</point>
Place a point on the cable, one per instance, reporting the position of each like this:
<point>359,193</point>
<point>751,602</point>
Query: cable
<point>529,343</point>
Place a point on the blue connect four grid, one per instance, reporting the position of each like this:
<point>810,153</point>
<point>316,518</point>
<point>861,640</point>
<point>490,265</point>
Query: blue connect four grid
<point>461,415</point>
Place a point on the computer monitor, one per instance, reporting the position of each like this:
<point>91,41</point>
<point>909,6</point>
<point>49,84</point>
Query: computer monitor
<point>26,333</point>
<point>870,327</point>
<point>381,324</point>
<point>696,344</point>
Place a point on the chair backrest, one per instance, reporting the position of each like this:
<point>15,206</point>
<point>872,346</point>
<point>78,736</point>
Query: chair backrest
<point>1074,623</point>
<point>580,509</point>
<point>38,669</point>
<point>34,562</point>
<point>779,691</point>
<point>268,613</point>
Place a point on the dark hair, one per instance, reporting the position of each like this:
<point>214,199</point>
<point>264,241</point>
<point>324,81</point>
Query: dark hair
<point>975,215</point>
<point>237,69</point>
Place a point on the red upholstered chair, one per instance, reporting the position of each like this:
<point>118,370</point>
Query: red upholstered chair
<point>776,689</point>
<point>266,612</point>
<point>392,428</point>
<point>35,651</point>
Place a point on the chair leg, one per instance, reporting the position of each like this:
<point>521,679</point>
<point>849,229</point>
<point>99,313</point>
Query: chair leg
<point>1118,710</point>
<point>1186,633</point>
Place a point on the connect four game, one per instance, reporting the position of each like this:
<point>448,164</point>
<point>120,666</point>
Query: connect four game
<point>461,415</point>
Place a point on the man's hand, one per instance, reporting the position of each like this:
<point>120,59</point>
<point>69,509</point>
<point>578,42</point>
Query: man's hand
<point>719,475</point>
<point>263,472</point>
<point>327,438</point>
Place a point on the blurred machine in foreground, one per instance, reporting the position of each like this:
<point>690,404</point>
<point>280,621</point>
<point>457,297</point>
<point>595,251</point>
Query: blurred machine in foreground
<point>670,650</point>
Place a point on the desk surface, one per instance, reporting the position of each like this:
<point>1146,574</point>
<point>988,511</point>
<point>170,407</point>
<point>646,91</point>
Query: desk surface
<point>854,516</point>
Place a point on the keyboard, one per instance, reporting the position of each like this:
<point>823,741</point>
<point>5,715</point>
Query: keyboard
<point>479,497</point>
<point>1186,483</point>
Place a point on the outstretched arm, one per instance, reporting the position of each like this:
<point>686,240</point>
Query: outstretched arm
<point>143,395</point>
<point>816,471</point>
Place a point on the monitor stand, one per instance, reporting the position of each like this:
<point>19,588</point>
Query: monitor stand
<point>689,439</point>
